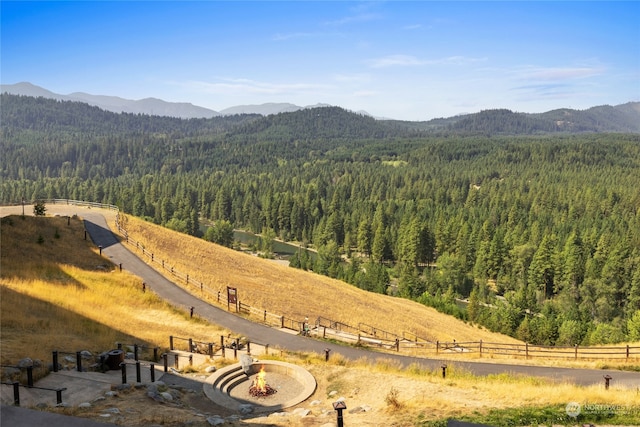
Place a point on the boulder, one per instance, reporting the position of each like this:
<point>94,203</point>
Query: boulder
<point>246,361</point>
<point>215,420</point>
<point>25,363</point>
<point>245,409</point>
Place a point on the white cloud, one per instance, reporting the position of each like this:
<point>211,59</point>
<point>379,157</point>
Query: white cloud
<point>537,83</point>
<point>561,73</point>
<point>360,13</point>
<point>412,61</point>
<point>395,60</point>
<point>363,17</point>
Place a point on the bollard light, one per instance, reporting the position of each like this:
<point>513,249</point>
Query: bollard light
<point>607,378</point>
<point>339,406</point>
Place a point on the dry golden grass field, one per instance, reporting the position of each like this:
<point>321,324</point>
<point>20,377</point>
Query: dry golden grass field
<point>57,291</point>
<point>295,294</point>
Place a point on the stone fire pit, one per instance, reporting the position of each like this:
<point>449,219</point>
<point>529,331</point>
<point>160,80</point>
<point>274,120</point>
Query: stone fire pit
<point>230,386</point>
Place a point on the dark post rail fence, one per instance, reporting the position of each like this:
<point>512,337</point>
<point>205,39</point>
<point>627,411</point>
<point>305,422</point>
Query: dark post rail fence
<point>16,391</point>
<point>138,367</point>
<point>193,346</point>
<point>138,348</point>
<point>406,341</point>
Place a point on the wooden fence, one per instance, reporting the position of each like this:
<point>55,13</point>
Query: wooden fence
<point>528,351</point>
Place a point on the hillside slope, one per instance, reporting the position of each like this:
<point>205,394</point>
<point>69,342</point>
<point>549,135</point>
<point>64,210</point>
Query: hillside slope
<point>294,293</point>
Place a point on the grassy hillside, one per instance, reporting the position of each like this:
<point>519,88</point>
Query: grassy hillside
<point>294,293</point>
<point>58,293</point>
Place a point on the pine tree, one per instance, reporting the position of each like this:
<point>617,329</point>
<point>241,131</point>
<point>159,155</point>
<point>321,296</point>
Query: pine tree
<point>365,237</point>
<point>542,269</point>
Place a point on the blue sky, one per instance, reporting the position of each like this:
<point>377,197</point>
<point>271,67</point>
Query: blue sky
<point>412,60</point>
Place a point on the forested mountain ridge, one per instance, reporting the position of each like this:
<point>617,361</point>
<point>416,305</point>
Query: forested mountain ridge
<point>624,118</point>
<point>49,115</point>
<point>549,222</point>
<point>321,123</point>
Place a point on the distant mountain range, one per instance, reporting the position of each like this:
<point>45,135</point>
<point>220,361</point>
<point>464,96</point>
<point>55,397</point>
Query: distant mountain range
<point>150,106</point>
<point>624,118</point>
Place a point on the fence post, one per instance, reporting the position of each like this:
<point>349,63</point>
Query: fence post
<point>135,352</point>
<point>78,361</point>
<point>166,363</point>
<point>187,279</point>
<point>282,322</point>
<point>437,347</point>
<point>627,351</point>
<point>153,372</point>
<point>59,395</point>
<point>480,348</point>
<point>138,379</point>
<point>324,332</point>
<point>176,361</point>
<point>235,349</point>
<point>170,342</point>
<point>576,352</point>
<point>55,360</point>
<point>155,354</point>
<point>248,347</point>
<point>210,349</point>
<point>265,316</point>
<point>190,345</point>
<point>397,344</point>
<point>123,367</point>
<point>30,376</point>
<point>16,393</point>
<point>222,345</point>
<point>526,350</point>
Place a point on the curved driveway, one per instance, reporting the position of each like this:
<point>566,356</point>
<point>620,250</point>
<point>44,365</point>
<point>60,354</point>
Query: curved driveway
<point>101,235</point>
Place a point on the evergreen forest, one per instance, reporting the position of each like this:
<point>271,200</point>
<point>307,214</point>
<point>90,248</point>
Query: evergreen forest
<point>509,224</point>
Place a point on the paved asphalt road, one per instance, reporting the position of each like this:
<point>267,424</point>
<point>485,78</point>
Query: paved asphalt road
<point>97,227</point>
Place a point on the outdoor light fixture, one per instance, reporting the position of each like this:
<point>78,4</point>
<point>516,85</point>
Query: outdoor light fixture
<point>340,406</point>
